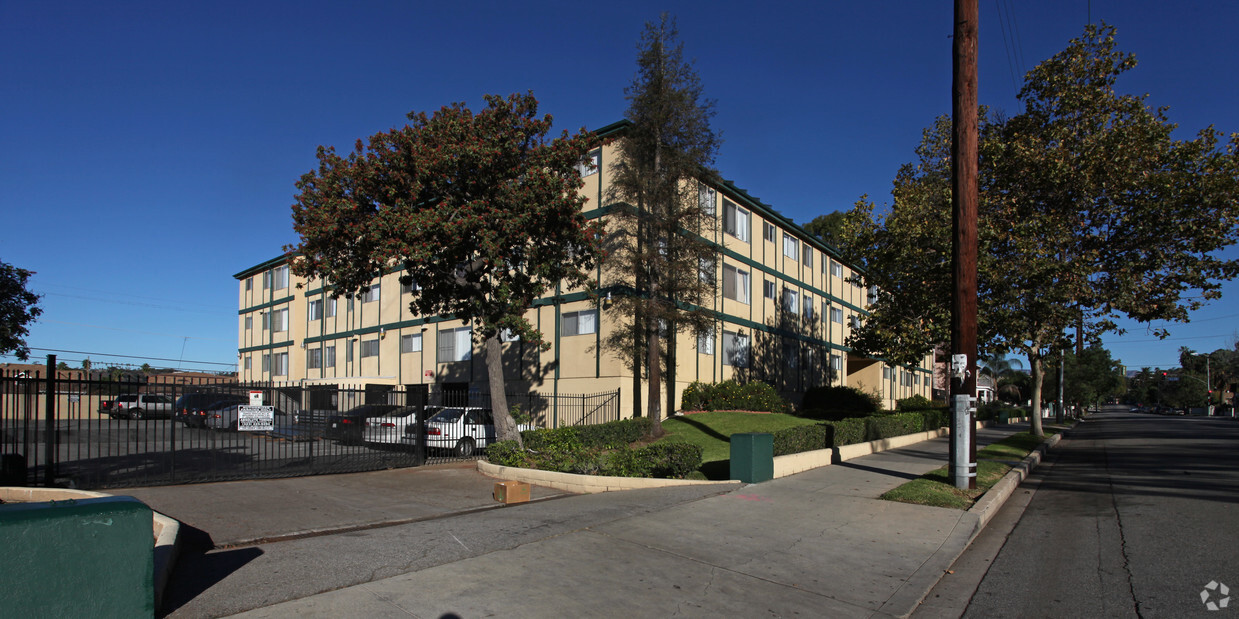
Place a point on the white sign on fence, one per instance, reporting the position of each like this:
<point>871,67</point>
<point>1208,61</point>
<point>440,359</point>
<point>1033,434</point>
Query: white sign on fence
<point>255,418</point>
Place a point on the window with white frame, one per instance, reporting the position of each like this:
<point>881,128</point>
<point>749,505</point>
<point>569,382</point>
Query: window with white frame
<point>267,278</point>
<point>266,362</point>
<point>279,278</point>
<point>769,290</point>
<point>279,320</point>
<point>836,363</point>
<point>791,301</point>
<point>248,363</point>
<point>455,344</point>
<point>771,232</point>
<point>330,307</point>
<point>370,348</point>
<point>705,342</point>
<point>329,356</point>
<point>348,305</point>
<point>279,363</point>
<point>735,284</point>
<point>583,322</point>
<point>249,285</point>
<point>808,306</point>
<point>886,373</point>
<point>791,247</point>
<point>735,349</point>
<point>409,288</point>
<point>808,256</point>
<point>836,315</point>
<point>371,293</point>
<point>249,323</point>
<point>589,166</point>
<point>853,321</point>
<point>314,359</point>
<point>707,197</point>
<point>314,310</point>
<point>508,336</point>
<point>348,351</point>
<point>411,343</point>
<point>836,269</point>
<point>735,220</point>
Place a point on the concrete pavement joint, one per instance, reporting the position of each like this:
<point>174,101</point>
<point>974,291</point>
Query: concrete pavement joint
<point>258,541</point>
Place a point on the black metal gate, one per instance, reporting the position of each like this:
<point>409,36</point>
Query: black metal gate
<point>85,430</point>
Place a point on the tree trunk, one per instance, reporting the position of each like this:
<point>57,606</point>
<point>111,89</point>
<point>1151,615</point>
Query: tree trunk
<point>671,345</point>
<point>653,348</point>
<point>505,426</point>
<point>1034,417</point>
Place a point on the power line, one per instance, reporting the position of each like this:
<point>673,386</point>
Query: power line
<point>79,324</point>
<point>105,354</point>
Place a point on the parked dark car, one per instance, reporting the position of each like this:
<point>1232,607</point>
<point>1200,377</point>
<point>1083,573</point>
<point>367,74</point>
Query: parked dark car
<point>350,426</point>
<point>192,408</point>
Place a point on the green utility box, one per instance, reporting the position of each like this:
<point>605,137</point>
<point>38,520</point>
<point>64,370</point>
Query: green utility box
<point>752,457</point>
<point>78,558</point>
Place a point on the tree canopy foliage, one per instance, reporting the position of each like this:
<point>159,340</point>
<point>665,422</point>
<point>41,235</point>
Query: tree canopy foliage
<point>659,234</point>
<point>480,211</point>
<point>18,308</point>
<point>1089,210</point>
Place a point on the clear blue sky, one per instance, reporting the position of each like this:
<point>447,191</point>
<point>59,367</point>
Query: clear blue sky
<point>148,150</point>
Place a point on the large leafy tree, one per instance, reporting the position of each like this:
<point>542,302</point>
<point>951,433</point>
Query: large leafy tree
<point>1089,377</point>
<point>481,210</point>
<point>18,308</point>
<point>661,226</point>
<point>1089,210</point>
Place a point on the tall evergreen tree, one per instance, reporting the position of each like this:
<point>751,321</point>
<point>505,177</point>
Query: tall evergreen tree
<point>665,218</point>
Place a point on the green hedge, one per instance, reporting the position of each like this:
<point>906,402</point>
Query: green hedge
<point>730,395</point>
<point>603,436</point>
<point>598,450</point>
<point>855,430</point>
<point>917,402</point>
<point>843,401</point>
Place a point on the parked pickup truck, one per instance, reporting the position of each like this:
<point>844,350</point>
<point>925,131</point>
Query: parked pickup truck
<point>139,406</point>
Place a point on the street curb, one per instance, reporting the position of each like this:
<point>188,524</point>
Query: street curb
<point>996,497</point>
<point>962,537</point>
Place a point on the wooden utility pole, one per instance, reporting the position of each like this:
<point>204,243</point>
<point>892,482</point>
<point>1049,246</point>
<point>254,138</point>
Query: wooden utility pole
<point>964,163</point>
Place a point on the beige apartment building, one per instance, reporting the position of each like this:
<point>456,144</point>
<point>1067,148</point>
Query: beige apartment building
<point>769,269</point>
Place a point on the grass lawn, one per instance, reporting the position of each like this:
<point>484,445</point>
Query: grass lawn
<point>935,487</point>
<point>712,432</point>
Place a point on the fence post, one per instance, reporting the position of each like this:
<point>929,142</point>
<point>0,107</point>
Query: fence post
<point>418,395</point>
<point>49,424</point>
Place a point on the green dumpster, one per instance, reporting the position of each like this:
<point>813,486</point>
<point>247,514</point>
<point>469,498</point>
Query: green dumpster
<point>752,457</point>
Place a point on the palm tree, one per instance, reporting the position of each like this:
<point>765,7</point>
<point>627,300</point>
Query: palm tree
<point>1010,382</point>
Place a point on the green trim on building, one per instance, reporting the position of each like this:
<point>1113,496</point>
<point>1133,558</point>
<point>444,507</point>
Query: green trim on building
<point>266,305</point>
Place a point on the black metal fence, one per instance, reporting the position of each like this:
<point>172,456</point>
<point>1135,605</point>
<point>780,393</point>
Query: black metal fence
<point>87,431</point>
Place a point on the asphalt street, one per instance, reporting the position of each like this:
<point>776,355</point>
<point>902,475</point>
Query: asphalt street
<point>1131,517</point>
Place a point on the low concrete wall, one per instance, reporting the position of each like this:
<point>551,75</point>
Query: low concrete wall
<point>165,530</point>
<point>783,466</point>
<point>582,484</point>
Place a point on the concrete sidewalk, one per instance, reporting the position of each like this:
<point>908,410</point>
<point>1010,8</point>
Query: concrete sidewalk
<point>818,543</point>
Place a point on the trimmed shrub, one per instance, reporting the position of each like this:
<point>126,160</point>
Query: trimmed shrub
<point>897,424</point>
<point>802,438</point>
<point>935,418</point>
<point>731,395</point>
<point>917,402</point>
<point>839,402</point>
<point>662,460</point>
<point>847,431</point>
